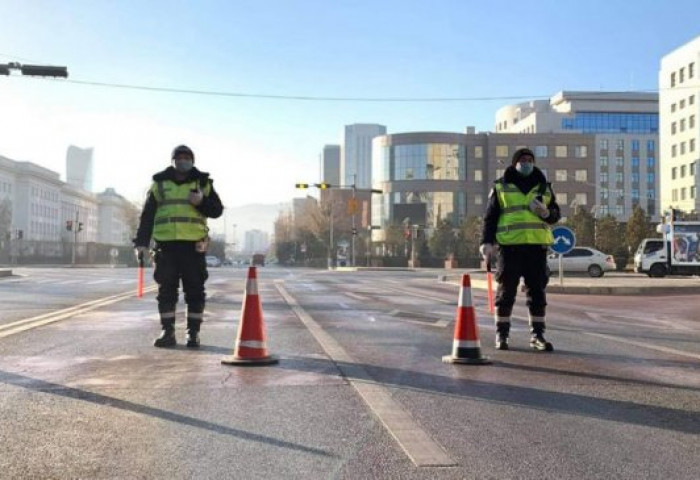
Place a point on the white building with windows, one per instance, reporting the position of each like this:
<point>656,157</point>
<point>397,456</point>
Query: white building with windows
<point>356,154</point>
<point>625,127</point>
<point>256,241</point>
<point>679,105</point>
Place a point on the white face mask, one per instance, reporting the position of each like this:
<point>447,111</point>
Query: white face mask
<point>183,166</point>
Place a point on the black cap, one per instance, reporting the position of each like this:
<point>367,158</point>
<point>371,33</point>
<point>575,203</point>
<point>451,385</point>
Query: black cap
<point>519,153</point>
<point>182,149</point>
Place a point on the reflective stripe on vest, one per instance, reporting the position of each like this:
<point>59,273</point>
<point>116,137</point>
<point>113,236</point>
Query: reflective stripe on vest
<point>176,218</point>
<point>517,225</point>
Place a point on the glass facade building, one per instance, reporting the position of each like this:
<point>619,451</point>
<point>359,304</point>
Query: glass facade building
<point>610,122</point>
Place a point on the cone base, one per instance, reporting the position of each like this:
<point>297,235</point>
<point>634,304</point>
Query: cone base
<point>466,361</point>
<point>249,362</point>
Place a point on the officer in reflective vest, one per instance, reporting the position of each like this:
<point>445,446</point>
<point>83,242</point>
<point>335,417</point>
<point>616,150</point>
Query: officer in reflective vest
<point>516,232</point>
<point>175,214</point>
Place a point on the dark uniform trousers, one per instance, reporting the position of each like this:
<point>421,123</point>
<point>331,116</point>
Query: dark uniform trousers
<point>530,263</point>
<point>175,262</point>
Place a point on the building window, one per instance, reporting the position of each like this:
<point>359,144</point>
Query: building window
<point>673,107</point>
<point>683,193</point>
<point>581,199</point>
<point>478,200</point>
<point>691,70</point>
<point>619,178</point>
<point>691,99</point>
<point>651,179</point>
<point>681,104</point>
<point>562,198</point>
<point>682,125</point>
<point>619,211</point>
<point>478,152</point>
<point>619,162</point>
<point>691,121</point>
<point>692,192</point>
<point>604,144</point>
<point>635,177</point>
<point>603,177</point>
<point>682,171</point>
<point>651,194</point>
<point>620,144</point>
<point>635,163</point>
<point>651,145</point>
<point>691,168</point>
<point>681,75</point>
<point>478,175</point>
<point>673,128</point>
<point>674,173</point>
<point>604,194</point>
<point>560,151</point>
<point>673,79</point>
<point>674,195</point>
<point>541,151</point>
<point>682,148</point>
<point>501,150</point>
<point>581,175</point>
<point>635,195</point>
<point>673,150</point>
<point>603,162</point>
<point>635,145</point>
<point>560,175</point>
<point>581,151</point>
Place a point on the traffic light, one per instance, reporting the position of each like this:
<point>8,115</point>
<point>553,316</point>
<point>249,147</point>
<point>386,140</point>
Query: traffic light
<point>324,185</point>
<point>44,71</point>
<point>80,226</point>
<point>302,185</point>
<point>4,69</point>
<point>354,231</point>
<point>69,225</point>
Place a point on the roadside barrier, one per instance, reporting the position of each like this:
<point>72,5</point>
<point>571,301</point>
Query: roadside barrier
<point>466,347</point>
<point>250,348</point>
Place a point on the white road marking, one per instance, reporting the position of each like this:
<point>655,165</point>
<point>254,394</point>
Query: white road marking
<point>418,445</point>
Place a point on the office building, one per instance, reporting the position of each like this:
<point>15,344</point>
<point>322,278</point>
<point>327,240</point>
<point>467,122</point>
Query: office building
<point>330,165</point>
<point>679,100</point>
<point>79,167</point>
<point>356,155</point>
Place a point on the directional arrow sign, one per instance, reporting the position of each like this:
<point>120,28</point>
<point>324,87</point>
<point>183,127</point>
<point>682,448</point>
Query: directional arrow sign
<point>564,240</point>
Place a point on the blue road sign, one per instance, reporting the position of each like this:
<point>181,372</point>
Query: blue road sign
<point>564,240</point>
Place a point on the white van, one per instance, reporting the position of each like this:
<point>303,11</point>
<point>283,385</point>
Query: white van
<point>651,257</point>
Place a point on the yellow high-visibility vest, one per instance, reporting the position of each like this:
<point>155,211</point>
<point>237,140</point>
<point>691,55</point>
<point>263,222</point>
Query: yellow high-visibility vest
<point>176,218</point>
<point>517,224</point>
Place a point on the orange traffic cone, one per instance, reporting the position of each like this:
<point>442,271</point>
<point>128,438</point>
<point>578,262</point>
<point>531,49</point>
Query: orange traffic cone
<point>466,347</point>
<point>250,348</point>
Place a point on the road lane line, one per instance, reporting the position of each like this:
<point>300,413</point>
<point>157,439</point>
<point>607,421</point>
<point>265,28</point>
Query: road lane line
<point>418,445</point>
<point>51,317</point>
<point>645,345</point>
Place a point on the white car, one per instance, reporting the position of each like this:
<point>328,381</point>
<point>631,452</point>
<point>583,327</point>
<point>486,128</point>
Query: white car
<point>213,261</point>
<point>582,259</point>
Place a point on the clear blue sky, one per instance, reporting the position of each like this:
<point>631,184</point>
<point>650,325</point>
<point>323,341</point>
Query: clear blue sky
<point>257,149</point>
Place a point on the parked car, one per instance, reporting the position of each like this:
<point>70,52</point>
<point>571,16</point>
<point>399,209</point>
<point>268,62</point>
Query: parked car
<point>582,259</point>
<point>213,261</point>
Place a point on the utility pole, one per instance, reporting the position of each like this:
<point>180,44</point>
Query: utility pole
<point>354,214</point>
<point>75,235</point>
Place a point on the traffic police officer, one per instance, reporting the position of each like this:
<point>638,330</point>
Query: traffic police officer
<point>178,204</point>
<point>520,209</point>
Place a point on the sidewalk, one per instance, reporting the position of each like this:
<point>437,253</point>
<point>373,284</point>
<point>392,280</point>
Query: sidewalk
<point>612,283</point>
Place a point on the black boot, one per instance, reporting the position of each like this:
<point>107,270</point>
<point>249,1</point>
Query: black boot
<point>167,336</point>
<point>193,333</point>
<point>502,331</point>
<point>537,341</point>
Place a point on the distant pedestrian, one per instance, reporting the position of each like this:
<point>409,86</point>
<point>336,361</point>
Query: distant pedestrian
<point>520,209</point>
<point>175,214</point>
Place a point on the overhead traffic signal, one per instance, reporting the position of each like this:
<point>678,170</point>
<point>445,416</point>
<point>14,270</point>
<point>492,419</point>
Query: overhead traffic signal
<point>302,185</point>
<point>44,71</point>
<point>323,185</point>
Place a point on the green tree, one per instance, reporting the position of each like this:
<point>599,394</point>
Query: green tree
<point>469,237</point>
<point>637,228</point>
<point>582,223</point>
<point>607,234</point>
<point>442,242</point>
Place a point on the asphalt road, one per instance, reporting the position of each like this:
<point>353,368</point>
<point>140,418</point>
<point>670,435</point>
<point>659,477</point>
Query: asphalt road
<point>360,390</point>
